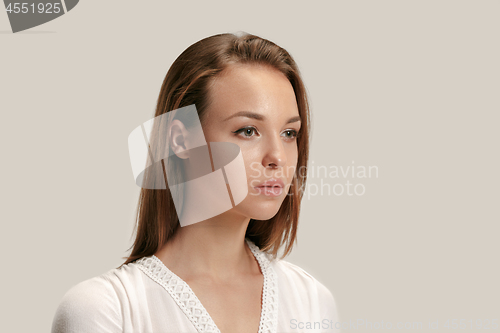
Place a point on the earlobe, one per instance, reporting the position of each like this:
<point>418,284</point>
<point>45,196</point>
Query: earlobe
<point>178,138</point>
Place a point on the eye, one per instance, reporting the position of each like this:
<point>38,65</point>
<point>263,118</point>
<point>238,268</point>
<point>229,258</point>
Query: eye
<point>290,134</point>
<point>247,131</point>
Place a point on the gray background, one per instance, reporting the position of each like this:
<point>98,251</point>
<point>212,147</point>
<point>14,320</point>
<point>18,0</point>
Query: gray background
<point>409,86</point>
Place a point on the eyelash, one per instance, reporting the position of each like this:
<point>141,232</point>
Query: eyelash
<point>294,132</point>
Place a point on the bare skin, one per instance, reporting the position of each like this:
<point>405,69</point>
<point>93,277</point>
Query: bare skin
<point>212,256</point>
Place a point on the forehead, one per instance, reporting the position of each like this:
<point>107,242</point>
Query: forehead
<point>255,88</point>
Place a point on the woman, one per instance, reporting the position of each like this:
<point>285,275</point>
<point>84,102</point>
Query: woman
<point>221,274</point>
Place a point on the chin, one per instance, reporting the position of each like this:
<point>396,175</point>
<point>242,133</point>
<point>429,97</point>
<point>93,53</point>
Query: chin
<point>259,208</point>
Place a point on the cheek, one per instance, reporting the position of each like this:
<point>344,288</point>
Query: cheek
<point>292,157</point>
<point>210,133</point>
<point>253,167</point>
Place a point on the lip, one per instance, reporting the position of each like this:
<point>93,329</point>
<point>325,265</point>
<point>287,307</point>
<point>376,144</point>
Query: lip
<point>273,182</point>
<point>272,187</point>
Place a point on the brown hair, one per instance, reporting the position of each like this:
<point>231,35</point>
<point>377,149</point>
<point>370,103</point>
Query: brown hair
<point>187,82</point>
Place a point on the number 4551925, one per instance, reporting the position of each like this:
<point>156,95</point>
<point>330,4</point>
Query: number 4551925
<point>47,8</point>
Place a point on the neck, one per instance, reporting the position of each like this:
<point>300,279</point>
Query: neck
<point>213,249</point>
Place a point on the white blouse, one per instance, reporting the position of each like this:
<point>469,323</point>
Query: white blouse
<point>146,297</point>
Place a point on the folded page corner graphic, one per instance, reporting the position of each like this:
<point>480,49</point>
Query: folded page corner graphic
<point>70,4</point>
<point>27,14</point>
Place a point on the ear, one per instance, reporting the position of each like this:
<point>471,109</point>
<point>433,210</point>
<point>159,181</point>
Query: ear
<point>178,138</point>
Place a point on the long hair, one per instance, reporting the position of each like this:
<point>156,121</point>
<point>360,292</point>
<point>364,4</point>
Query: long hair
<point>187,82</point>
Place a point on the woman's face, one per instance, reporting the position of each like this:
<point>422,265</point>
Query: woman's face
<point>254,107</point>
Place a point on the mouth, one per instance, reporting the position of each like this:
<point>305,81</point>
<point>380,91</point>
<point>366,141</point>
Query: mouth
<point>272,191</point>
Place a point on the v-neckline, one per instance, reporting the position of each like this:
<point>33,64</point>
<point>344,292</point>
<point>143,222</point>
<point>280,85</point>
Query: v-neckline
<point>189,303</point>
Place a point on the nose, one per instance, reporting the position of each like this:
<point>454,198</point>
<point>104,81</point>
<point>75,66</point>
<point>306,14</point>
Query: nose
<point>275,155</point>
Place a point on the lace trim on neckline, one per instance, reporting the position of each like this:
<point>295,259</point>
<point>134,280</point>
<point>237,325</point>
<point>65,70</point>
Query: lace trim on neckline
<point>191,305</point>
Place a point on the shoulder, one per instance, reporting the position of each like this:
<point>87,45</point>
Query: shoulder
<point>312,291</point>
<point>299,277</point>
<point>91,305</point>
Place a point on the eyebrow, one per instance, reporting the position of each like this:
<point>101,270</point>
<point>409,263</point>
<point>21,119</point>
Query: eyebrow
<point>258,116</point>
